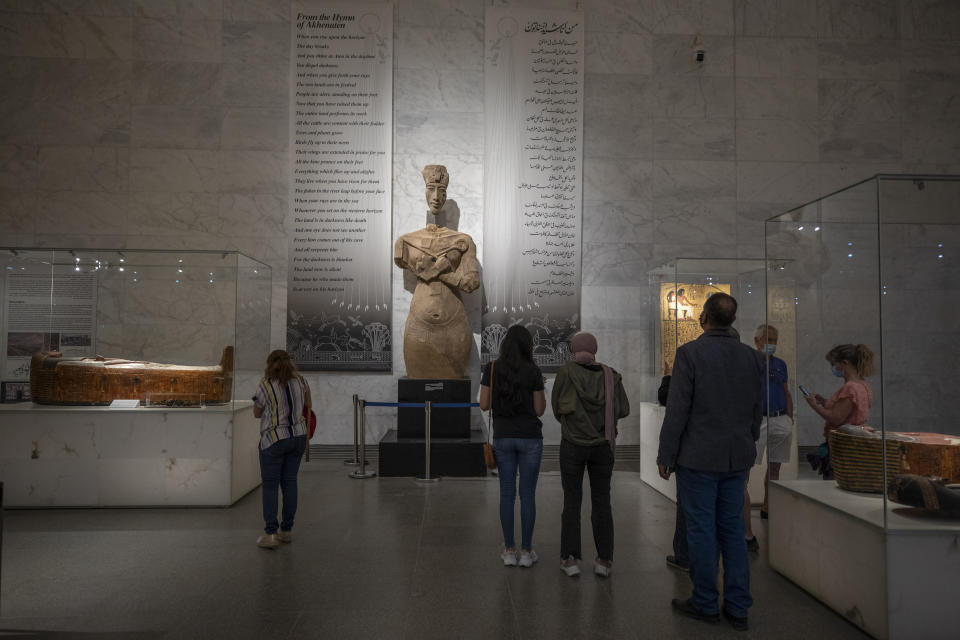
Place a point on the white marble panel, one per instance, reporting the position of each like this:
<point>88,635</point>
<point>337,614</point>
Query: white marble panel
<point>708,17</point>
<point>83,168</point>
<point>837,175</point>
<point>131,481</point>
<point>188,9</point>
<point>693,139</point>
<point>90,82</point>
<point>921,570</point>
<point>612,308</point>
<point>615,263</point>
<point>776,58</point>
<point>930,60</point>
<point>176,127</point>
<point>929,20</point>
<point>776,182</point>
<point>174,214</point>
<point>930,100</point>
<point>65,123</point>
<point>859,60</point>
<point>254,172</point>
<point>842,141</point>
<point>693,97</point>
<point>18,210</point>
<point>442,14</point>
<point>177,83</point>
<point>455,133</point>
<point>931,142</point>
<point>612,221</point>
<point>778,140</point>
<point>616,179</point>
<point>65,36</point>
<point>258,216</point>
<point>256,10</point>
<point>677,55</point>
<point>876,20</point>
<point>424,90</point>
<point>76,212</point>
<point>177,39</point>
<point>686,179</point>
<point>863,101</point>
<point>837,558</point>
<point>421,47</point>
<point>787,98</point>
<point>776,18</point>
<point>250,41</point>
<point>617,52</point>
<point>198,481</point>
<point>175,170</point>
<point>614,127</point>
<point>75,7</point>
<point>19,167</point>
<point>257,128</point>
<point>696,221</point>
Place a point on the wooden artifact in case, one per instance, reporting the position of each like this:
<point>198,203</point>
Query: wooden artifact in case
<point>98,381</point>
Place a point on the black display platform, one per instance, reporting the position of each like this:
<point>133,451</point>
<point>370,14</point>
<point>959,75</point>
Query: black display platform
<point>460,457</point>
<point>444,423</point>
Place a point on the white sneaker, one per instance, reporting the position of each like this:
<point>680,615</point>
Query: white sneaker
<point>509,558</point>
<point>527,558</point>
<point>570,566</point>
<point>268,541</point>
<point>602,569</point>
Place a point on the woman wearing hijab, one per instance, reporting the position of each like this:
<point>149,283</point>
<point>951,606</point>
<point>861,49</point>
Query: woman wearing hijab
<point>588,398</point>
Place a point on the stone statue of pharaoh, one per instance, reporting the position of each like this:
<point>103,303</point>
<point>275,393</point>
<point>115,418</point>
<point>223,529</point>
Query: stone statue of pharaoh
<point>437,338</point>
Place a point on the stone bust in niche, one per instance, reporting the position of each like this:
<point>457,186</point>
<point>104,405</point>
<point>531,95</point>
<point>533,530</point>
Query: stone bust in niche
<point>437,339</point>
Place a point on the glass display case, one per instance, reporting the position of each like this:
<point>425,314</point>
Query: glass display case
<point>875,264</point>
<point>193,309</point>
<point>682,286</point>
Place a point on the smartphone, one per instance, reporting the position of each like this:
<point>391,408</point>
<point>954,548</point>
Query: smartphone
<point>803,390</point>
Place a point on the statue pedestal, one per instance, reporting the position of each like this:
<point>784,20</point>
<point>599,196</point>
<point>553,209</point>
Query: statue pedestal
<point>455,450</point>
<point>444,423</point>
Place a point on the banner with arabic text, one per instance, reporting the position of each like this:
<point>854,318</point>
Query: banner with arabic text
<point>533,178</point>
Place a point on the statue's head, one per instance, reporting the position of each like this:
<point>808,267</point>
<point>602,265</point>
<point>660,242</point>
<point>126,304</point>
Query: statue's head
<point>436,178</point>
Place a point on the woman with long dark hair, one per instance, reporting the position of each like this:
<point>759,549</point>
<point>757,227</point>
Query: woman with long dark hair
<point>515,393</point>
<point>279,403</point>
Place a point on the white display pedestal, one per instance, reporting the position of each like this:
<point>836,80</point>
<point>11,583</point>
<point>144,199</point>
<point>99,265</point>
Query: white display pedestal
<point>53,456</point>
<point>894,583</point>
<point>651,419</point>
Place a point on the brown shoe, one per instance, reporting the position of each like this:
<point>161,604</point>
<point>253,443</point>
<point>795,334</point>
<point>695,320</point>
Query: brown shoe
<point>268,541</point>
<point>285,536</point>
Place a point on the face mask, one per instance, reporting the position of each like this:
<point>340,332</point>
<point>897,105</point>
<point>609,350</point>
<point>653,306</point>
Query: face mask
<point>836,371</point>
<point>769,349</point>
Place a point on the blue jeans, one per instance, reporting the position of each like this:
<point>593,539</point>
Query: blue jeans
<point>680,553</point>
<point>279,464</point>
<point>523,454</point>
<point>712,504</point>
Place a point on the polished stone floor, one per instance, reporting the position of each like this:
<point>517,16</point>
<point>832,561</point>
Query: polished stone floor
<point>377,558</point>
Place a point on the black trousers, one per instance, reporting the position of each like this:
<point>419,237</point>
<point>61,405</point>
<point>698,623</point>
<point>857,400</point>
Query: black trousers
<point>598,461</point>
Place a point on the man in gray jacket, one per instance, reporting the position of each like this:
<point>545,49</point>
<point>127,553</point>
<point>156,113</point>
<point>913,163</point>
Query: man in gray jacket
<point>708,437</point>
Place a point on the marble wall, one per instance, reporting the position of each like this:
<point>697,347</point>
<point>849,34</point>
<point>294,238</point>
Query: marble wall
<point>163,124</point>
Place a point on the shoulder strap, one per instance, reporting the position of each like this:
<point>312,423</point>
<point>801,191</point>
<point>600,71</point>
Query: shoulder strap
<point>490,413</point>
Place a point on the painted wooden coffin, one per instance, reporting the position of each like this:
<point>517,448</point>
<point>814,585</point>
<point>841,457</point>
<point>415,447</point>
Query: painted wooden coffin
<point>55,379</point>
